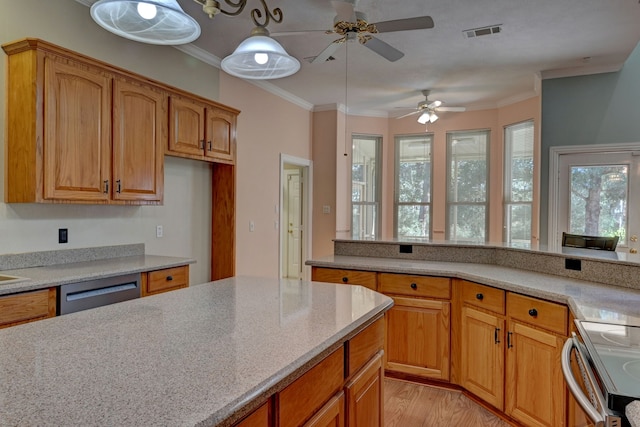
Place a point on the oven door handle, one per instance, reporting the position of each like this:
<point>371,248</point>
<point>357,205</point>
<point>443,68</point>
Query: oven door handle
<point>585,403</point>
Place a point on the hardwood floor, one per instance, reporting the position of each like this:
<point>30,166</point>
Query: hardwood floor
<point>408,404</point>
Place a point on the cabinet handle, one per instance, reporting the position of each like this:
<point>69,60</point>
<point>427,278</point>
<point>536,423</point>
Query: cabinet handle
<point>533,312</point>
<point>509,345</point>
<point>414,286</point>
<point>496,336</point>
<point>480,297</point>
<point>201,144</point>
<point>106,186</point>
<point>209,143</point>
<point>169,278</point>
<point>345,279</point>
<point>119,190</point>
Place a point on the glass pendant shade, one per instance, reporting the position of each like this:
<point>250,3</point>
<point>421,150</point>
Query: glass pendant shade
<point>260,57</point>
<point>160,22</point>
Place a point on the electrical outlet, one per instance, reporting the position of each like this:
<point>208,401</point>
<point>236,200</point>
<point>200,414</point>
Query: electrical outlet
<point>63,235</point>
<point>159,231</point>
<point>326,209</point>
<point>252,226</point>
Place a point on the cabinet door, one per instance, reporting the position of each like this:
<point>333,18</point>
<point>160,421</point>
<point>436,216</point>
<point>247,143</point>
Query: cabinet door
<point>258,418</point>
<point>365,395</point>
<point>330,415</point>
<point>220,135</point>
<point>186,126</point>
<point>139,137</point>
<point>535,391</point>
<point>418,337</point>
<point>482,358</point>
<point>77,120</point>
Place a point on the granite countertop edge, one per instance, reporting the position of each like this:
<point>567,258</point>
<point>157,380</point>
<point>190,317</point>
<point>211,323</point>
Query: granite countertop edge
<point>35,278</point>
<point>574,293</point>
<point>255,397</point>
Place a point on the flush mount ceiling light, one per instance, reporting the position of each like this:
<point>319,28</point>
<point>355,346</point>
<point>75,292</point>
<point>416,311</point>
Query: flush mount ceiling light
<point>259,57</point>
<point>161,22</point>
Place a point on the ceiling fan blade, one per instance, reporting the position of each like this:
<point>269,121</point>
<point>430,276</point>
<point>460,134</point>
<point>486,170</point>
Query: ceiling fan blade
<point>327,52</point>
<point>384,49</point>
<point>452,109</point>
<point>345,11</point>
<point>297,33</point>
<point>417,23</point>
<point>409,114</point>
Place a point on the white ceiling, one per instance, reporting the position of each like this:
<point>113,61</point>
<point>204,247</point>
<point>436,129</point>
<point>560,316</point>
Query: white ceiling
<point>539,39</point>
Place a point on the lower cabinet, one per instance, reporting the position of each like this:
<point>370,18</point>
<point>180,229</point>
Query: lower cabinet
<point>365,395</point>
<point>482,359</point>
<point>27,307</point>
<point>258,418</point>
<point>331,414</point>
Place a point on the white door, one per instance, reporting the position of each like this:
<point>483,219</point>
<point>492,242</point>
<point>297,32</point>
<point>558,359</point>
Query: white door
<point>293,224</point>
<point>598,195</point>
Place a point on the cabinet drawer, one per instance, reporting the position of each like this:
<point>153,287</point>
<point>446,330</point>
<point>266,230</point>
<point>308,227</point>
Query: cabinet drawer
<point>418,286</point>
<point>166,280</point>
<point>27,306</point>
<point>483,296</point>
<point>306,395</point>
<point>545,314</point>
<point>351,277</point>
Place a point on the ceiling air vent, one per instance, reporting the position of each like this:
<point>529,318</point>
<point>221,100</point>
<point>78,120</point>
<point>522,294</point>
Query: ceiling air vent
<point>483,31</point>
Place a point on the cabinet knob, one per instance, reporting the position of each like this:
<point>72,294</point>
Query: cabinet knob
<point>169,278</point>
<point>345,279</point>
<point>414,286</point>
<point>479,296</point>
<point>533,312</point>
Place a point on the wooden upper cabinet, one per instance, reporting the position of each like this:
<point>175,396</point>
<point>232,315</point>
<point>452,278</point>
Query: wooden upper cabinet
<point>201,130</point>
<point>220,132</point>
<point>77,117</point>
<point>140,133</point>
<point>81,131</point>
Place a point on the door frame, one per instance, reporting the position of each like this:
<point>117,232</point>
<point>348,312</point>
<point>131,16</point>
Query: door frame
<point>307,204</point>
<point>554,178</point>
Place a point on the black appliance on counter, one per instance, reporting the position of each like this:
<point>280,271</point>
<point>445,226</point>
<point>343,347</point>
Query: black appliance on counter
<point>604,372</point>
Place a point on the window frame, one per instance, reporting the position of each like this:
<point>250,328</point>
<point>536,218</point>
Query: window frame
<point>448,203</point>
<point>377,204</point>
<point>428,138</point>
<point>506,178</point>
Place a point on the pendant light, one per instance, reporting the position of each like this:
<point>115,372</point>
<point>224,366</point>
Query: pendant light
<point>260,57</point>
<point>161,22</point>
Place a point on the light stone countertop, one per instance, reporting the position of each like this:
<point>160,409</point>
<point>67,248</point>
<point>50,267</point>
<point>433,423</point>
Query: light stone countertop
<point>200,356</point>
<point>633,413</point>
<point>59,274</point>
<point>588,300</point>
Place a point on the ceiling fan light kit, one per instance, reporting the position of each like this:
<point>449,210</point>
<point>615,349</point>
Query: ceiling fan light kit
<point>161,22</point>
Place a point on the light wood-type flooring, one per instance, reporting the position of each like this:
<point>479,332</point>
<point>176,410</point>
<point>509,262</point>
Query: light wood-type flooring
<point>408,404</point>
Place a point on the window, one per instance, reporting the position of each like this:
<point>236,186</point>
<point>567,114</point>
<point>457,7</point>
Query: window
<point>412,210</point>
<point>365,187</point>
<point>467,183</point>
<point>518,183</point>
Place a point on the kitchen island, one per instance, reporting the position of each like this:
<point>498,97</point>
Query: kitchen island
<point>206,355</point>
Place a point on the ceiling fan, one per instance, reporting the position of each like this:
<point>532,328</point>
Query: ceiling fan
<point>427,109</point>
<point>351,24</point>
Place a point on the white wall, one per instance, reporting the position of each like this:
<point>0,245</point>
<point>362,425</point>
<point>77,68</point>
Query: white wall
<point>186,213</point>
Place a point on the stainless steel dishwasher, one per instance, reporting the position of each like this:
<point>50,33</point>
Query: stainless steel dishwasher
<point>95,293</point>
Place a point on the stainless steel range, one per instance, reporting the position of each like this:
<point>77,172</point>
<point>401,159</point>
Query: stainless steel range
<point>608,360</point>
